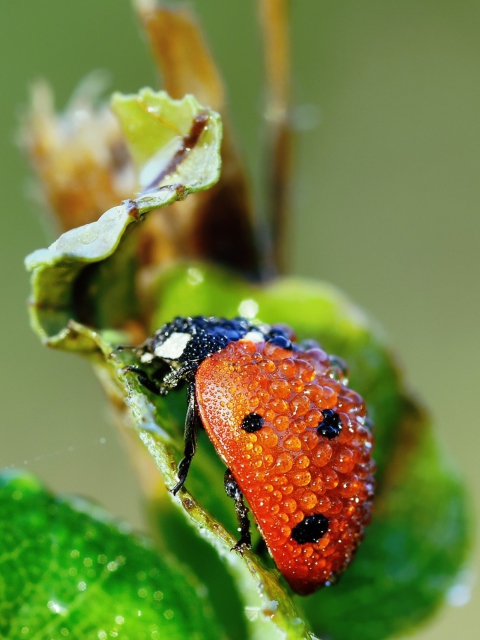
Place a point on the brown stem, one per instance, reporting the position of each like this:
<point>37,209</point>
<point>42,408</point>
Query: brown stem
<point>274,23</point>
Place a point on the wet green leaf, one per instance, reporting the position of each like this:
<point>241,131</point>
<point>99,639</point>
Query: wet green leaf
<point>396,538</point>
<point>68,570</point>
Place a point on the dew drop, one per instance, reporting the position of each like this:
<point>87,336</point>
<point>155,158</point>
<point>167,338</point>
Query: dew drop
<point>308,500</point>
<point>293,443</point>
<point>302,478</point>
<point>289,505</point>
<point>302,462</point>
<point>281,423</point>
<point>284,462</point>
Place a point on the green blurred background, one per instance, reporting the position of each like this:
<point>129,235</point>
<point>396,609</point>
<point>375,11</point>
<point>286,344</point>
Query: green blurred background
<point>386,196</point>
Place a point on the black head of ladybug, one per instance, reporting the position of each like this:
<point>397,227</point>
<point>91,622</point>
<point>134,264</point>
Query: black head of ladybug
<point>191,340</point>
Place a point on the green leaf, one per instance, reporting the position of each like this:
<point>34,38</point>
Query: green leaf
<point>81,255</point>
<point>173,142</point>
<point>68,570</point>
<point>396,543</point>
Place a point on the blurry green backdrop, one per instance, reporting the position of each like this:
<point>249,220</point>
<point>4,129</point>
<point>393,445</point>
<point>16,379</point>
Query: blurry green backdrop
<point>386,199</point>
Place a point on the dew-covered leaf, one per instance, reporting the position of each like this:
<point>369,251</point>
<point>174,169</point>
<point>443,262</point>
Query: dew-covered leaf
<point>399,569</point>
<point>68,570</point>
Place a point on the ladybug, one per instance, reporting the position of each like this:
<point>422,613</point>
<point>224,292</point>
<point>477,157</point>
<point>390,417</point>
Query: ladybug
<point>296,440</point>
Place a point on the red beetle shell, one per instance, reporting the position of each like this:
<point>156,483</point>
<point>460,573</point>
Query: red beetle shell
<point>286,470</point>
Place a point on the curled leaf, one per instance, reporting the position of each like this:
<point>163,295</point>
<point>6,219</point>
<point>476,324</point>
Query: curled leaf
<point>154,122</point>
<point>173,142</point>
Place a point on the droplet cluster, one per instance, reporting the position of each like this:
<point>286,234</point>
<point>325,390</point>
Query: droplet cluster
<point>288,470</point>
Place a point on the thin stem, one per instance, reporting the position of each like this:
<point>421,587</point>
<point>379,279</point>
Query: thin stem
<point>274,23</point>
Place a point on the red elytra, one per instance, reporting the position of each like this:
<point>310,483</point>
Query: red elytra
<point>287,470</point>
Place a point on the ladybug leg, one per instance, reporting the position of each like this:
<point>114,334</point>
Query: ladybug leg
<point>146,381</point>
<point>173,378</point>
<point>191,423</point>
<point>233,491</point>
<point>261,548</point>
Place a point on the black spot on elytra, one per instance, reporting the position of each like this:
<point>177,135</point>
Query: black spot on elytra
<point>310,529</point>
<point>331,424</point>
<point>252,422</point>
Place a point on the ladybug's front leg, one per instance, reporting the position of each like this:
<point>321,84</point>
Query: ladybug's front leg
<point>233,491</point>
<point>191,423</point>
<point>146,381</point>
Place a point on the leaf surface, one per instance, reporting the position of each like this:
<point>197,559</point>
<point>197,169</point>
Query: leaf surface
<point>68,570</point>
